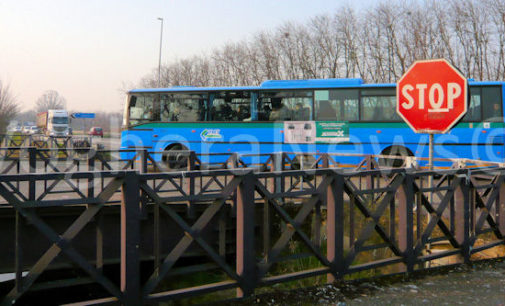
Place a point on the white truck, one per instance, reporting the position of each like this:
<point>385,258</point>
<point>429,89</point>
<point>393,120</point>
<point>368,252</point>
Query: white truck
<point>53,123</point>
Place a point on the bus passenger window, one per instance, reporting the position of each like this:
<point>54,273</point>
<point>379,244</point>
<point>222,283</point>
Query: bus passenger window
<point>285,106</point>
<point>164,108</point>
<point>243,113</point>
<point>338,104</point>
<point>325,111</point>
<point>379,105</point>
<point>183,107</point>
<point>264,112</point>
<point>221,112</point>
<point>280,111</point>
<point>231,106</point>
<point>377,108</point>
<point>474,108</point>
<point>491,104</point>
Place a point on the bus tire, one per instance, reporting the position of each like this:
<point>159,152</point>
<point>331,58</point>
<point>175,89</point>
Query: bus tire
<point>395,151</point>
<point>177,161</point>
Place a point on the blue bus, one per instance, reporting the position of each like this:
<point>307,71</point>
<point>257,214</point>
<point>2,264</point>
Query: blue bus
<point>311,116</point>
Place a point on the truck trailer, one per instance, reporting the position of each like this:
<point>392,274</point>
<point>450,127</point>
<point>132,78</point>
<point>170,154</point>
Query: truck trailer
<point>53,123</point>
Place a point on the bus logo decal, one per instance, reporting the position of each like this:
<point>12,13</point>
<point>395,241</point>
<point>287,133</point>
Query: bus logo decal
<point>211,134</point>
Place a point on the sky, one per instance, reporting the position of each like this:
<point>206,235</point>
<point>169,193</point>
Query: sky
<point>91,51</point>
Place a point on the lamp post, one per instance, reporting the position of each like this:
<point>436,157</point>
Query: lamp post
<point>159,61</point>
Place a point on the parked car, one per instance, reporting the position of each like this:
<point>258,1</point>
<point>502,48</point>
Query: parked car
<point>96,131</point>
<point>34,130</point>
<point>26,129</point>
<point>14,129</point>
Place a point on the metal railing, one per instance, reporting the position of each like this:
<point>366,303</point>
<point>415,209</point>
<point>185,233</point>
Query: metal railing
<point>265,218</point>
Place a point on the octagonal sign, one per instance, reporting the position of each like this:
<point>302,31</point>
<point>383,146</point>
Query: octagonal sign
<point>432,96</point>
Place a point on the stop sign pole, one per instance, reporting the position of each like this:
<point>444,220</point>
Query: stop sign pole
<point>432,96</point>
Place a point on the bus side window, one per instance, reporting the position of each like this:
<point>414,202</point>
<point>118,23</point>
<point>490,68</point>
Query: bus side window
<point>474,108</point>
<point>221,111</point>
<point>302,109</point>
<point>325,111</point>
<point>231,106</point>
<point>285,105</point>
<point>264,110</point>
<point>378,105</point>
<point>156,116</point>
<point>491,104</point>
<point>164,108</point>
<point>183,107</point>
<point>148,110</point>
<point>280,111</point>
<point>337,104</point>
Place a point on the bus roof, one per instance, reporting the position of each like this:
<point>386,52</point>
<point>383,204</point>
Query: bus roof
<point>270,84</point>
<point>291,84</point>
<point>192,89</point>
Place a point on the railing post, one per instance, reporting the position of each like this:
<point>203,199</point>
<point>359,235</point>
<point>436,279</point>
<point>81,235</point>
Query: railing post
<point>91,167</point>
<point>234,160</point>
<point>500,208</point>
<point>19,252</point>
<point>278,165</point>
<point>405,200</point>
<point>335,227</point>
<point>326,161</point>
<point>143,161</point>
<point>245,253</point>
<point>191,161</point>
<point>130,240</point>
<point>462,214</point>
<point>156,235</point>
<point>369,178</point>
<point>190,182</point>
<point>32,164</point>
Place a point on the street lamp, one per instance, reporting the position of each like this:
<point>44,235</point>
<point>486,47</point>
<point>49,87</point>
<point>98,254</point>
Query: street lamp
<point>159,61</point>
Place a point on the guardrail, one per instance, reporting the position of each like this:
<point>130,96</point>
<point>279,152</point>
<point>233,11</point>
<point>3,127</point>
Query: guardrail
<point>329,217</point>
<point>44,142</point>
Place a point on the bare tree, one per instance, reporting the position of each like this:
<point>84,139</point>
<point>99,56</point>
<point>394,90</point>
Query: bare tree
<point>8,107</point>
<point>51,99</point>
<point>497,12</point>
<point>377,44</point>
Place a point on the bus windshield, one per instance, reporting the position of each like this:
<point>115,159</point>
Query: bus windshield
<point>60,120</point>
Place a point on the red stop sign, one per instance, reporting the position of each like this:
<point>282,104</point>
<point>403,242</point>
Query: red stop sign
<point>431,96</point>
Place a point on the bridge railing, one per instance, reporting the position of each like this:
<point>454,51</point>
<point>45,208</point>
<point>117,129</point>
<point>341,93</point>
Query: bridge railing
<point>329,226</point>
<point>25,160</point>
<point>15,159</point>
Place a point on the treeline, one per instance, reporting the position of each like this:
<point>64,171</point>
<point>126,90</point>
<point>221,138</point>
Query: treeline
<point>377,45</point>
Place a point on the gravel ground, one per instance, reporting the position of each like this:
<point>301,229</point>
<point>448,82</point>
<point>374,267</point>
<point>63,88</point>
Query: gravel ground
<point>483,284</point>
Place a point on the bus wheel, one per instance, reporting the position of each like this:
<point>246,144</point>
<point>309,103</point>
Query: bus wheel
<point>175,161</point>
<point>395,151</point>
